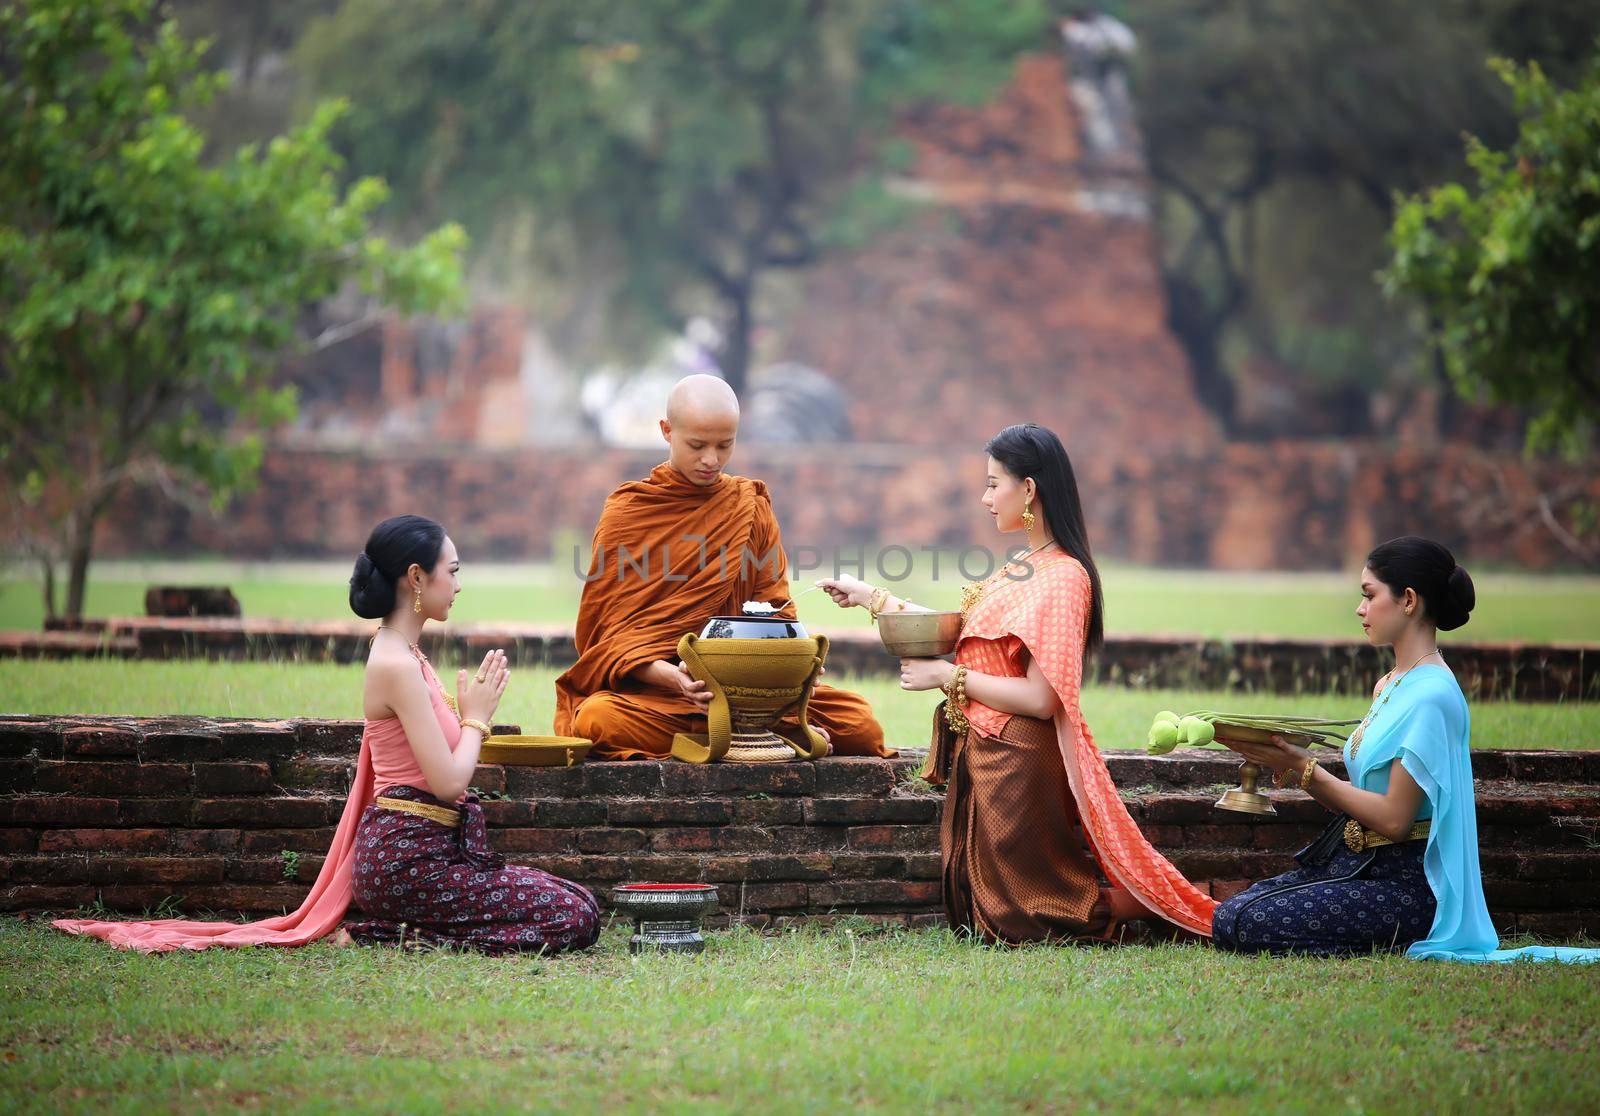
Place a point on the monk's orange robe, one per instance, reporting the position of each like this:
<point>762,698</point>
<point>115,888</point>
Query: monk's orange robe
<point>667,556</point>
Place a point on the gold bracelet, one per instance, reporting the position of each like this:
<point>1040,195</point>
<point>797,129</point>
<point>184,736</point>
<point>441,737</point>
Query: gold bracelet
<point>1305,773</point>
<point>875,603</point>
<point>470,722</point>
<point>955,705</point>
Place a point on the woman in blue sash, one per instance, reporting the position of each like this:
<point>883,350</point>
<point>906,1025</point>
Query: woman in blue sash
<point>1397,869</point>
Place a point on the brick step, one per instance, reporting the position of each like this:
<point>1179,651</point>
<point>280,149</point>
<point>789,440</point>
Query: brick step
<point>1525,672</point>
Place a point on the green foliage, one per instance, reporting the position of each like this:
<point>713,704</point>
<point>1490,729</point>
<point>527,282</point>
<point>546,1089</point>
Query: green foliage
<point>1507,268</point>
<point>658,158</point>
<point>145,291</point>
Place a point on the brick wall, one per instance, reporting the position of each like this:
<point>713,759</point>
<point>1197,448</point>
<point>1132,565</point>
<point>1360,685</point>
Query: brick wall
<point>1279,506</point>
<point>134,812</point>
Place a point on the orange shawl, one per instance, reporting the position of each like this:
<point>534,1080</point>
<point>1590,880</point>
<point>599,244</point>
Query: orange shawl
<point>1049,613</point>
<point>667,556</point>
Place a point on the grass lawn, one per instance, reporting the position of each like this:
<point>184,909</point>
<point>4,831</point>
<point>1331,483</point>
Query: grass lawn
<point>1138,601</point>
<point>809,1021</point>
<point>1118,717</point>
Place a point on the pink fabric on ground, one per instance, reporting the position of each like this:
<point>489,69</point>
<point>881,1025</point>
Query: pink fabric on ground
<point>329,898</point>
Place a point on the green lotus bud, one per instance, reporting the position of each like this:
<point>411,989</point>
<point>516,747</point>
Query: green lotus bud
<point>1196,732</point>
<point>1167,715</point>
<point>1163,738</point>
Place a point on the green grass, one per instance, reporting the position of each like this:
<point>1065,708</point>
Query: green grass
<point>1118,717</point>
<point>1138,601</point>
<point>809,1021</point>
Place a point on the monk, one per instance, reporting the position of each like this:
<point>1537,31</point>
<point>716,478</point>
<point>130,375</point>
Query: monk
<point>687,543</point>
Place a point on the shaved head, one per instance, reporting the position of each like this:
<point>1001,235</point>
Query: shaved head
<point>701,397</point>
<point>701,426</point>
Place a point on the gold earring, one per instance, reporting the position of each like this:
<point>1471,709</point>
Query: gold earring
<point>416,606</point>
<point>1027,514</point>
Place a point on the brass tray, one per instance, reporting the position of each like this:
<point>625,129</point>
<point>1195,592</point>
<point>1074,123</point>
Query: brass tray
<point>535,751</point>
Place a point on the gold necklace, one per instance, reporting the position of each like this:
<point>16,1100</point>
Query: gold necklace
<point>427,667</point>
<point>972,592</point>
<point>1383,699</point>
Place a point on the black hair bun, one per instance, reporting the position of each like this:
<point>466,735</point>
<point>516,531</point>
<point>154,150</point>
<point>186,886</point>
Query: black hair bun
<point>371,593</point>
<point>1459,600</point>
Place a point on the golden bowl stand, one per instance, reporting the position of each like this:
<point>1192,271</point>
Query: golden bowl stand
<point>1245,798</point>
<point>742,718</point>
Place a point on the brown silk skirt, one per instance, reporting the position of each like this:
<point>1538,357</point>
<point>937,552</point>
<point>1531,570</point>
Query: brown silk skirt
<point>1016,866</point>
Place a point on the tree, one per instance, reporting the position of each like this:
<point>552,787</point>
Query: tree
<point>1506,269</point>
<point>145,292</point>
<point>651,158</point>
<point>1278,133</point>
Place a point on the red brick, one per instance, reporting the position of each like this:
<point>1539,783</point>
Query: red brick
<point>155,811</point>
<point>692,780</point>
<point>500,812</point>
<point>17,775</point>
<point>912,838</point>
<point>192,842</point>
<point>768,811</point>
<point>236,777</point>
<point>859,811</point>
<point>18,840</point>
<point>256,739</point>
<point>333,775</point>
<point>274,812</point>
<point>725,839</point>
<point>886,893</point>
<point>767,896</point>
<point>100,740</point>
<point>258,899</point>
<point>1564,867</point>
<point>58,810</point>
<point>328,738</point>
<point>29,897</point>
<point>859,866</point>
<point>26,738</point>
<point>166,741</point>
<point>546,782</point>
<point>270,841</point>
<point>631,778</point>
<point>668,811</point>
<point>854,776</point>
<point>113,779</point>
<point>568,811</point>
<point>45,869</point>
<point>537,841</point>
<point>156,870</point>
<point>491,778</point>
<point>103,840</point>
<point>924,866</point>
<point>1227,889</point>
<point>610,840</point>
<point>269,870</point>
<point>815,866</point>
<point>663,868</point>
<point>1179,809</point>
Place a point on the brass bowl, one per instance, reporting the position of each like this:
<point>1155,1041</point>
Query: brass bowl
<point>534,751</point>
<point>919,635</point>
<point>754,684</point>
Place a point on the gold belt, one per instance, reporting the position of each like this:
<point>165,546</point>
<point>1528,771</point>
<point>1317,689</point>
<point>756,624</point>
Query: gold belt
<point>1359,839</point>
<point>441,814</point>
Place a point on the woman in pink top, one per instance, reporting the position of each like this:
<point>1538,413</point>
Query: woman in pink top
<point>411,851</point>
<point>423,867</point>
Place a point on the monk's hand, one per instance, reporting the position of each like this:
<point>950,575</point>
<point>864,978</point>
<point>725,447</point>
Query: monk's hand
<point>675,678</point>
<point>847,591</point>
<point>478,694</point>
<point>925,674</point>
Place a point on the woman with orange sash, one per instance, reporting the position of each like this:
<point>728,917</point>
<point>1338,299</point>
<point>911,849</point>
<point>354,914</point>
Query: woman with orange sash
<point>1036,844</point>
<point>411,851</point>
